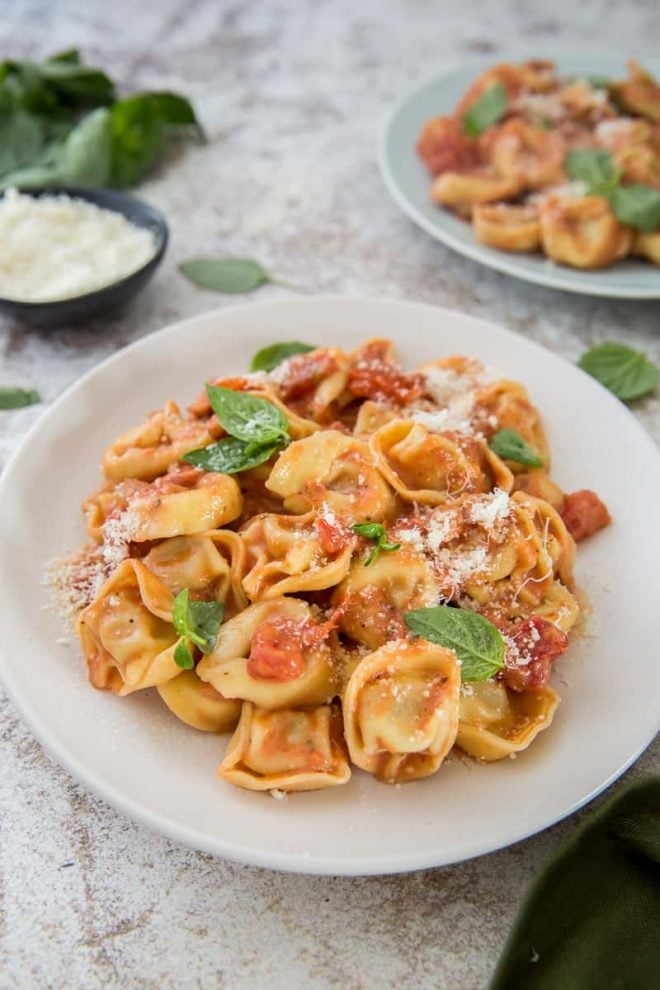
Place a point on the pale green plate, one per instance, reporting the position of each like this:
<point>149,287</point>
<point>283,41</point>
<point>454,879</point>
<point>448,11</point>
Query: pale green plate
<point>409,183</point>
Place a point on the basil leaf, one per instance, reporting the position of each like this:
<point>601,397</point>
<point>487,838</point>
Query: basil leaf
<point>477,642</point>
<point>229,275</point>
<point>486,110</point>
<point>269,357</point>
<point>375,531</point>
<point>84,158</point>
<point>232,455</point>
<point>627,373</point>
<point>247,416</point>
<point>599,82</point>
<point>593,166</point>
<point>22,137</point>
<point>510,446</point>
<point>16,398</point>
<point>183,658</point>
<point>197,621</point>
<point>637,205</point>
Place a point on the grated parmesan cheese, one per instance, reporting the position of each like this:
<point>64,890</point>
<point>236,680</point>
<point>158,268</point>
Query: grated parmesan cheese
<point>56,247</point>
<point>490,509</point>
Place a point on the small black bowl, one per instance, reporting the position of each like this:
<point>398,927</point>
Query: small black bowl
<point>79,308</point>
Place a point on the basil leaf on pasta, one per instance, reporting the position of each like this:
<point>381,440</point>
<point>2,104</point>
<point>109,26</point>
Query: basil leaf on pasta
<point>627,373</point>
<point>197,621</point>
<point>638,206</point>
<point>232,455</point>
<point>269,357</point>
<point>247,417</point>
<point>16,398</point>
<point>510,446</point>
<point>593,166</point>
<point>375,531</point>
<point>486,110</point>
<point>183,658</point>
<point>478,644</point>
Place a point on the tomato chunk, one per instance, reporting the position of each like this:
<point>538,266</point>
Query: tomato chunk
<point>333,536</point>
<point>304,372</point>
<point>584,514</point>
<point>384,382</point>
<point>276,651</point>
<point>532,648</point>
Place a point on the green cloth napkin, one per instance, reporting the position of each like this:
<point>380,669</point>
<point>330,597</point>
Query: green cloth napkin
<point>591,920</point>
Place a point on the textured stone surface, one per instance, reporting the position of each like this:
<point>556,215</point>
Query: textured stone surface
<point>292,96</point>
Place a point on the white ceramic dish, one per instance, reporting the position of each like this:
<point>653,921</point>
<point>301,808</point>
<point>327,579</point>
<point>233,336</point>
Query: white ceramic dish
<point>409,183</point>
<point>140,759</point>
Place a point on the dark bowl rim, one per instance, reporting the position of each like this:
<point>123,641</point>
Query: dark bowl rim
<point>110,199</point>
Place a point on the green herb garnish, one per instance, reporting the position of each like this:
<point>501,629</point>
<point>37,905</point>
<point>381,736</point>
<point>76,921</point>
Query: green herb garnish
<point>16,398</point>
<point>477,642</point>
<point>510,446</point>
<point>196,622</point>
<point>232,276</point>
<point>374,531</point>
<point>637,205</point>
<point>269,357</point>
<point>256,428</point>
<point>60,124</point>
<point>599,82</point>
<point>627,373</point>
<point>486,110</point>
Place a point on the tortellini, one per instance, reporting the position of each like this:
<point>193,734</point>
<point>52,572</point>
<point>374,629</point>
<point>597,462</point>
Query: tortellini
<point>495,722</point>
<point>276,655</point>
<point>582,231</point>
<point>287,750</point>
<point>401,710</point>
<point>331,469</point>
<point>198,704</point>
<point>126,633</point>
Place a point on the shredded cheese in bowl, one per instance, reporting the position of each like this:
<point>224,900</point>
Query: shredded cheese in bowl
<point>57,247</point>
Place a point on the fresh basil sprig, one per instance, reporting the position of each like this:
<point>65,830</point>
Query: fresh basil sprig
<point>486,110</point>
<point>233,276</point>
<point>196,622</point>
<point>478,644</point>
<point>375,531</point>
<point>627,373</point>
<point>269,357</point>
<point>637,205</point>
<point>510,446</point>
<point>256,428</point>
<point>16,398</point>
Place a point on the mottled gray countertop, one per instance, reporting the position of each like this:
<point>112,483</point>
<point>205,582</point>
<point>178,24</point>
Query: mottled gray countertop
<point>292,96</point>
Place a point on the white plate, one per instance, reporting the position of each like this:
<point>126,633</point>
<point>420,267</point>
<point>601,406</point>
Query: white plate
<point>409,183</point>
<point>150,766</point>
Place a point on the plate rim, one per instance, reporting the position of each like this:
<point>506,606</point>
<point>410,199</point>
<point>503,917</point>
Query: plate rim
<point>292,862</point>
<point>502,261</point>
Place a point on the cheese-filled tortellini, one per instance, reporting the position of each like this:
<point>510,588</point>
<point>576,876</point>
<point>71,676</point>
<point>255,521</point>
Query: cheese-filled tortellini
<point>198,704</point>
<point>286,750</point>
<point>146,451</point>
<point>126,633</point>
<point>508,227</point>
<point>401,710</point>
<point>210,566</point>
<point>182,503</point>
<point>464,189</point>
<point>292,554</point>
<point>495,722</point>
<point>275,654</point>
<point>433,468</point>
<point>331,468</point>
<point>582,231</point>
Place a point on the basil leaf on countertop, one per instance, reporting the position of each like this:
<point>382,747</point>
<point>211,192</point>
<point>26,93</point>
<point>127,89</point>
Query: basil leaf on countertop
<point>627,373</point>
<point>510,446</point>
<point>231,455</point>
<point>269,357</point>
<point>17,398</point>
<point>247,416</point>
<point>485,111</point>
<point>478,644</point>
<point>375,531</point>
<point>232,276</point>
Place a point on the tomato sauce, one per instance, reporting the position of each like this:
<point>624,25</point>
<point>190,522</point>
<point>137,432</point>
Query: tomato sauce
<point>584,514</point>
<point>539,643</point>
